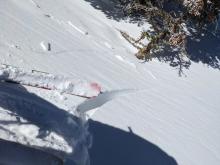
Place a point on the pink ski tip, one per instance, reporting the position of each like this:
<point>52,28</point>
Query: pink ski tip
<point>96,87</point>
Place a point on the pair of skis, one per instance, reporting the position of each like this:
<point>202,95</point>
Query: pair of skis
<point>77,87</point>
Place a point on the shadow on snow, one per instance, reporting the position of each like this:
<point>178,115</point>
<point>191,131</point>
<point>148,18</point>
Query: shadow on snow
<point>202,47</point>
<point>112,146</point>
<point>49,118</point>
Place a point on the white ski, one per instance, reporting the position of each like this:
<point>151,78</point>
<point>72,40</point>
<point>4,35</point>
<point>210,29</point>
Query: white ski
<point>48,81</point>
<point>96,102</point>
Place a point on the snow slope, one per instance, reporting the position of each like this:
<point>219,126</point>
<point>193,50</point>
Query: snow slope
<point>173,118</point>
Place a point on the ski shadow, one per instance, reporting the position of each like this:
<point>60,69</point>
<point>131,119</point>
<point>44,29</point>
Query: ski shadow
<point>22,104</point>
<point>115,146</point>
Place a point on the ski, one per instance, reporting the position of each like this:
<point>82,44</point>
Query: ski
<point>44,80</point>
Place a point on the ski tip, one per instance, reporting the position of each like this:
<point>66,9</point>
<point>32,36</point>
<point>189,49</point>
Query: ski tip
<point>96,86</point>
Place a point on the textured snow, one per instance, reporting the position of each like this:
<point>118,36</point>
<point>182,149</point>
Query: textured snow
<point>172,119</point>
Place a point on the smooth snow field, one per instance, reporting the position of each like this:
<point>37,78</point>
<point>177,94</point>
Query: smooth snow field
<point>72,92</point>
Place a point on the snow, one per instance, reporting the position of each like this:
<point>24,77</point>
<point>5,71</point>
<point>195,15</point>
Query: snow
<point>28,119</point>
<point>168,118</point>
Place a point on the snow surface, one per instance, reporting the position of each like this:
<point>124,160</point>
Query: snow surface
<point>171,120</point>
